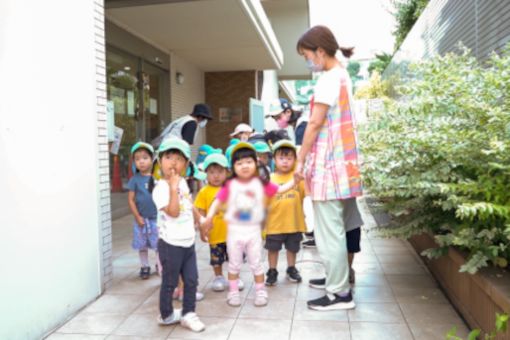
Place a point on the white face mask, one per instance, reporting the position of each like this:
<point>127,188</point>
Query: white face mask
<point>203,123</point>
<point>312,66</point>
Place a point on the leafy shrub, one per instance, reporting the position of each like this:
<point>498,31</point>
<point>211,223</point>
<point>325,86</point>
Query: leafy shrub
<point>440,157</point>
<point>376,88</point>
<point>406,14</point>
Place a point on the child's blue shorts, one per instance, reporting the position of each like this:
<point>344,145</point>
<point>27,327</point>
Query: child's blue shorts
<point>146,236</point>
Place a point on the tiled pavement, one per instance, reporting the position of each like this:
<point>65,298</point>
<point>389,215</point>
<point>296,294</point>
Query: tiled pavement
<point>395,295</point>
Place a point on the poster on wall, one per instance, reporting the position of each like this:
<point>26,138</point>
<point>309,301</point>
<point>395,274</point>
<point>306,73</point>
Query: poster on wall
<point>110,120</point>
<point>153,106</point>
<point>118,132</point>
<point>224,115</point>
<point>230,115</point>
<point>130,103</point>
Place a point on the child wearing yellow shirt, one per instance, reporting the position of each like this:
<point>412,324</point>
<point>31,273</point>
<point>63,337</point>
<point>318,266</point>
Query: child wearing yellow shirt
<point>215,165</point>
<point>285,221</point>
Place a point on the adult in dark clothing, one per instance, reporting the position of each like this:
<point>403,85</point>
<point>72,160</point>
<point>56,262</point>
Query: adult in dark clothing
<point>186,127</point>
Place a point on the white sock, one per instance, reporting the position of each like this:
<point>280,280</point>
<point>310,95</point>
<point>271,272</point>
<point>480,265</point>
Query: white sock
<point>144,257</point>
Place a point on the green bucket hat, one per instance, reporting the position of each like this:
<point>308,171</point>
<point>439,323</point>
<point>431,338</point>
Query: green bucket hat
<point>261,147</point>
<point>142,145</point>
<point>173,143</point>
<point>199,174</point>
<point>215,158</point>
<point>283,143</point>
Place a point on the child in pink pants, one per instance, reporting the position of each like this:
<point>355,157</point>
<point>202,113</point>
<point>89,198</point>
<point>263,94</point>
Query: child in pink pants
<point>244,195</point>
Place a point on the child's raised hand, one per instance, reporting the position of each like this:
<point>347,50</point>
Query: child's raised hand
<point>174,179</point>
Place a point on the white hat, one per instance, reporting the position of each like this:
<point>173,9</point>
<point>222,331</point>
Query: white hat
<point>297,108</point>
<point>241,128</point>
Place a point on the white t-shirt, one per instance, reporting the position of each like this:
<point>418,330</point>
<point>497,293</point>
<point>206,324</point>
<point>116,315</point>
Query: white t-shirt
<point>178,231</point>
<point>327,89</point>
<point>245,200</point>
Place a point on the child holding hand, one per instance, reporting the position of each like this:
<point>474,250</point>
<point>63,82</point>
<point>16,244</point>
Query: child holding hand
<point>286,221</point>
<point>216,167</point>
<point>245,197</point>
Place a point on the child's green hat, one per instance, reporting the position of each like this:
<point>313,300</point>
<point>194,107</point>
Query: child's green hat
<point>142,145</point>
<point>174,143</point>
<point>215,158</point>
<point>283,143</point>
<point>261,147</point>
<point>199,174</point>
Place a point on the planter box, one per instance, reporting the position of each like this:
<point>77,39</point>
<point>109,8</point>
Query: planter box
<point>477,297</point>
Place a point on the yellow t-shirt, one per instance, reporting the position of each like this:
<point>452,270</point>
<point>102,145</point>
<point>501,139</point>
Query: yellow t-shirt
<point>204,199</point>
<point>285,211</point>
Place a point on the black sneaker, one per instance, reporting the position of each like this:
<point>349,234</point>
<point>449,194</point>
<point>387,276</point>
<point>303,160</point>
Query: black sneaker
<point>309,244</point>
<point>317,283</point>
<point>145,272</point>
<point>332,302</point>
<point>293,274</point>
<point>272,277</point>
<point>309,235</point>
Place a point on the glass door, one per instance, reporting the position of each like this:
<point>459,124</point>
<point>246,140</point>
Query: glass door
<point>155,99</point>
<point>123,92</point>
<point>139,92</point>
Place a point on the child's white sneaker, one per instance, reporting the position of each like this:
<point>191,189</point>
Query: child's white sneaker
<point>260,298</point>
<point>198,297</point>
<point>240,284</point>
<point>234,299</point>
<point>173,318</point>
<point>191,321</point>
<point>218,284</point>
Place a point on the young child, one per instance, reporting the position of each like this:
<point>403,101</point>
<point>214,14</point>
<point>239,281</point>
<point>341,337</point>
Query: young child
<point>245,195</point>
<point>242,132</point>
<point>285,221</point>
<point>177,235</point>
<point>216,167</point>
<point>145,230</point>
<point>264,159</point>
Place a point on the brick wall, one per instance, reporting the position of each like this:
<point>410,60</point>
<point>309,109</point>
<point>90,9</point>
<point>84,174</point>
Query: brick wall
<point>228,90</point>
<point>105,224</point>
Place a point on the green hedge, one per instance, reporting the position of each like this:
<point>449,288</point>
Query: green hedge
<point>439,157</point>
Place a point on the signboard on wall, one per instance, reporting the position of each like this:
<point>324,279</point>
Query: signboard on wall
<point>118,132</point>
<point>224,115</point>
<point>229,114</point>
<point>257,115</point>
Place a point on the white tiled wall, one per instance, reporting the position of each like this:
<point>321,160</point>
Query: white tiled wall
<point>105,224</point>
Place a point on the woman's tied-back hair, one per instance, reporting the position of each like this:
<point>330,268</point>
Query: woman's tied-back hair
<point>321,36</point>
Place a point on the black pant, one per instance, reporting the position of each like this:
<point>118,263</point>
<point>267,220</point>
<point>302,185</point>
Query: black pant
<point>177,261</point>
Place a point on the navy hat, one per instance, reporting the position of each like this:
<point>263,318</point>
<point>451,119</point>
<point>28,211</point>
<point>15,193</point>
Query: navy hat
<point>201,110</point>
<point>285,104</point>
